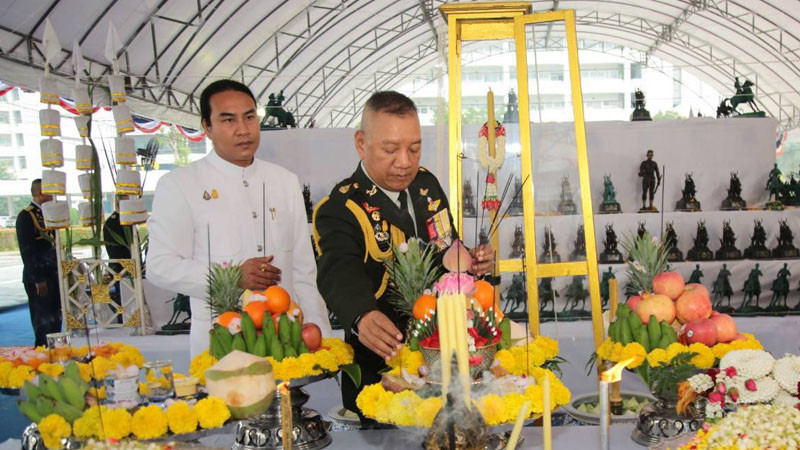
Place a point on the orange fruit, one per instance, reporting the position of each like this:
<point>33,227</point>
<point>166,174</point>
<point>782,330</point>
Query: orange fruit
<point>484,294</point>
<point>225,318</point>
<point>423,306</point>
<point>278,300</point>
<point>295,307</point>
<point>256,310</point>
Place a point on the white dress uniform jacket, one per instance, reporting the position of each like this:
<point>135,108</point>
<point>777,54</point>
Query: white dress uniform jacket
<point>213,202</point>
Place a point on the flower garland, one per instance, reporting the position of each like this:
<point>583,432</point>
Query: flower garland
<point>149,422</point>
<point>705,357</point>
<point>747,377</point>
<point>758,426</point>
<point>24,365</point>
<point>407,408</point>
<point>331,354</point>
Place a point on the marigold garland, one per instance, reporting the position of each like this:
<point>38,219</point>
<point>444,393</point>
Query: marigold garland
<point>181,418</point>
<point>149,422</point>
<point>53,428</point>
<point>211,412</point>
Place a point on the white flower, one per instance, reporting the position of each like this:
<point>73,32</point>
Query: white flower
<point>766,390</point>
<point>787,372</point>
<point>749,363</point>
<point>714,411</point>
<point>403,248</point>
<point>759,426</point>
<point>701,382</point>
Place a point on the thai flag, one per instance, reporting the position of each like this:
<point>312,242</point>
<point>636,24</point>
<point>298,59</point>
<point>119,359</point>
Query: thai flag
<point>146,125</point>
<point>780,142</point>
<point>5,88</point>
<point>192,135</point>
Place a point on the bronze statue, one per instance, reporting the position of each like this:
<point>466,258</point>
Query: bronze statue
<point>579,252</point>
<point>688,201</point>
<point>549,253</point>
<point>275,109</point>
<point>700,250</point>
<point>734,201</point>
<point>468,200</point>
<point>566,205</point>
<point>758,248</point>
<point>518,246</point>
<point>639,111</point>
<point>651,180</point>
<point>610,254</point>
<point>785,248</point>
<point>674,254</point>
<point>727,249</point>
<point>610,204</point>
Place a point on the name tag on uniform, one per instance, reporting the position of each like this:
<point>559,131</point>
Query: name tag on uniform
<point>440,230</point>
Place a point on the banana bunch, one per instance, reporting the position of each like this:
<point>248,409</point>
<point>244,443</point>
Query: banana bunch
<point>64,396</point>
<point>629,328</point>
<point>286,342</point>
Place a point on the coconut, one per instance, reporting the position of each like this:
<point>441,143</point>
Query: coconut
<point>244,382</point>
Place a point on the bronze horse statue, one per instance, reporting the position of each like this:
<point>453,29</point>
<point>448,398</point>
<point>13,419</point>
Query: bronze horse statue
<point>744,95</point>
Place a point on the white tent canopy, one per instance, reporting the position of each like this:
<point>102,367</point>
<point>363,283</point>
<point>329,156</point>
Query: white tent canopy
<point>328,55</point>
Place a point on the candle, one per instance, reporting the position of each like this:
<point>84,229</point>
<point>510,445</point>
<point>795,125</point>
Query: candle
<point>613,302</point>
<point>512,440</point>
<point>609,376</point>
<point>490,122</point>
<point>547,430</point>
<point>287,437</point>
<point>444,347</point>
<point>463,355</point>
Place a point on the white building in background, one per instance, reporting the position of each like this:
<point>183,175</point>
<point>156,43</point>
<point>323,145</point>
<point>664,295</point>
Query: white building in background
<point>609,78</point>
<point>19,152</point>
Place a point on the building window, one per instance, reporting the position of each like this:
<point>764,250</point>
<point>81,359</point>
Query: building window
<point>5,118</point>
<point>15,94</point>
<point>20,140</point>
<point>604,101</point>
<point>17,117</point>
<point>483,73</point>
<point>5,140</point>
<point>636,71</point>
<point>22,162</point>
<point>603,71</point>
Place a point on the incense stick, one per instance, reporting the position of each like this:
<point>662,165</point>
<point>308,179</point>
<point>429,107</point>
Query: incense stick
<point>503,216</point>
<point>264,218</point>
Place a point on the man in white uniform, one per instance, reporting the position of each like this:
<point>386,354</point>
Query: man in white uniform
<point>231,207</point>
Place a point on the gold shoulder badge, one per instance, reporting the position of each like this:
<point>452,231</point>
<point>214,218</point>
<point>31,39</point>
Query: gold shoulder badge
<point>422,169</point>
<point>355,185</point>
<point>214,193</point>
<point>423,191</point>
<point>206,195</point>
<point>372,191</point>
<point>433,205</point>
<point>344,189</point>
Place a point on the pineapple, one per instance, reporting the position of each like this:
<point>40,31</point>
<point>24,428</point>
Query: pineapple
<point>647,257</point>
<point>224,288</point>
<point>412,270</point>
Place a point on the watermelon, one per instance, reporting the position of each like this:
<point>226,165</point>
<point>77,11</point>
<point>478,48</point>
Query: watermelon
<point>244,382</point>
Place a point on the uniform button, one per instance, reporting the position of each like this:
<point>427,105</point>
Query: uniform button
<point>245,183</point>
<point>260,248</point>
<point>255,215</point>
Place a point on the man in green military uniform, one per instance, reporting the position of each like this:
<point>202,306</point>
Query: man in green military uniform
<point>40,270</point>
<point>388,199</point>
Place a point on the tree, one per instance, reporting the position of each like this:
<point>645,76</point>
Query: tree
<point>179,144</point>
<point>5,170</point>
<point>668,115</point>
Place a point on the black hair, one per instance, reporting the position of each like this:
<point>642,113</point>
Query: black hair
<point>215,88</point>
<point>35,182</point>
<point>390,102</point>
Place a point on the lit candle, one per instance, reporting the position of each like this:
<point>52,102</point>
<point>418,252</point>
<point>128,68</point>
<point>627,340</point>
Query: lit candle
<point>287,437</point>
<point>523,413</point>
<point>609,376</point>
<point>444,345</point>
<point>547,430</point>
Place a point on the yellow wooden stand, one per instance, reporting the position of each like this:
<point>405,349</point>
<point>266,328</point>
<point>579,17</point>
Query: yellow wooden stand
<point>507,20</point>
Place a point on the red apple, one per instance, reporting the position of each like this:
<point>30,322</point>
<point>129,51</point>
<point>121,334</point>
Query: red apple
<point>726,327</point>
<point>312,336</point>
<point>669,284</point>
<point>658,305</point>
<point>634,301</point>
<point>693,304</point>
<point>703,331</point>
<point>740,337</point>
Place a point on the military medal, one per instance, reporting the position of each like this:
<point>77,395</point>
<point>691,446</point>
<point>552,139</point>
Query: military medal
<point>214,193</point>
<point>440,230</point>
<point>206,195</point>
<point>380,232</point>
<point>433,205</point>
<point>376,216</point>
<point>344,189</point>
<point>372,191</point>
<point>423,191</point>
<point>370,209</point>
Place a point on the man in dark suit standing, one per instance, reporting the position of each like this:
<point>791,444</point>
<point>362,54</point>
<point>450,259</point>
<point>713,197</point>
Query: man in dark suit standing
<point>40,271</point>
<point>388,199</point>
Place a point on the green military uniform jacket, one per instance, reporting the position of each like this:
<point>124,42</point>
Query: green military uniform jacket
<point>355,229</point>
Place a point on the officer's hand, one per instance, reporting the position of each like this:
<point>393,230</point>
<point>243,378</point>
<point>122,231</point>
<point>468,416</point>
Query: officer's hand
<point>41,288</point>
<point>379,334</point>
<point>482,259</point>
<point>259,273</point>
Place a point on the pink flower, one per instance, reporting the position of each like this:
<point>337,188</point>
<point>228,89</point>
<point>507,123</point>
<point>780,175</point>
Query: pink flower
<point>453,283</point>
<point>730,371</point>
<point>474,360</point>
<point>734,394</point>
<point>715,397</point>
<point>750,385</point>
<point>721,388</point>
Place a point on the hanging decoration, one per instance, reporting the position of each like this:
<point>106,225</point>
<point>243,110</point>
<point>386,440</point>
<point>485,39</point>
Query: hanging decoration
<point>491,163</point>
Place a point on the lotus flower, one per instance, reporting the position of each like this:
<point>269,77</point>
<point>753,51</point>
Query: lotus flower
<point>457,258</point>
<point>453,283</point>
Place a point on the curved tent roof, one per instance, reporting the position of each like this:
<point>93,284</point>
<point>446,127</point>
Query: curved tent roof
<point>328,55</point>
